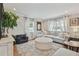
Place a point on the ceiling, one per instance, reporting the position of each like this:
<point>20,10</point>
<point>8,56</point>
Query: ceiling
<point>42,10</point>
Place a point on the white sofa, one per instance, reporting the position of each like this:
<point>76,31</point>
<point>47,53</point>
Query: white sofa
<point>56,38</point>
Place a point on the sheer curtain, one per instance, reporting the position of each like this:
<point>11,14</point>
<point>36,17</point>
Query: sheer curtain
<point>56,25</point>
<point>51,26</point>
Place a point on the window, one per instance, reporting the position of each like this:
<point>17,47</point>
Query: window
<point>56,25</point>
<point>31,26</point>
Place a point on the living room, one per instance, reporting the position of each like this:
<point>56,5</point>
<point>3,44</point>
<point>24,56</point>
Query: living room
<point>43,29</point>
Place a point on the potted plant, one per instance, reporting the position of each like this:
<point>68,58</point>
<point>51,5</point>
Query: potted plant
<point>9,21</point>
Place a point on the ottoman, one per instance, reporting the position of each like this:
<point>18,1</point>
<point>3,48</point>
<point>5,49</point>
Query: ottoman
<point>43,44</point>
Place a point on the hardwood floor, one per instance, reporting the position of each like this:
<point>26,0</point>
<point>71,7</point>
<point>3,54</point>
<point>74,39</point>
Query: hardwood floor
<point>15,52</point>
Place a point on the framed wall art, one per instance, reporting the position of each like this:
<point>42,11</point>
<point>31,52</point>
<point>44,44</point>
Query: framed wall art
<point>39,26</point>
<point>74,21</point>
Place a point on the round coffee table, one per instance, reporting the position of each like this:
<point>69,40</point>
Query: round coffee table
<point>44,45</point>
<point>72,45</point>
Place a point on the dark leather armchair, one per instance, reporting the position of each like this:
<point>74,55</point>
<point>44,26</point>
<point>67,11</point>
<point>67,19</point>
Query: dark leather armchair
<point>19,39</point>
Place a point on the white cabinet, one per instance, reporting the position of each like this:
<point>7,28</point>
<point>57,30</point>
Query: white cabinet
<point>3,49</point>
<point>6,47</point>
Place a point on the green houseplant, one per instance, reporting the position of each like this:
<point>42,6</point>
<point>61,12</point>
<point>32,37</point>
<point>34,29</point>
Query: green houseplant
<point>9,21</point>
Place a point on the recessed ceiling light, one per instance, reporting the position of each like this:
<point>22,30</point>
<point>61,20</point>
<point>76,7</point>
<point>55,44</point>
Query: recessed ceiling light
<point>14,9</point>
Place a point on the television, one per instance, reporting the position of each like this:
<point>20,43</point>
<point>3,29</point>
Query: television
<point>1,18</point>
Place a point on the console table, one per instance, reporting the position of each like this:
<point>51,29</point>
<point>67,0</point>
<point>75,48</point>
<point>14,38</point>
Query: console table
<point>6,46</point>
